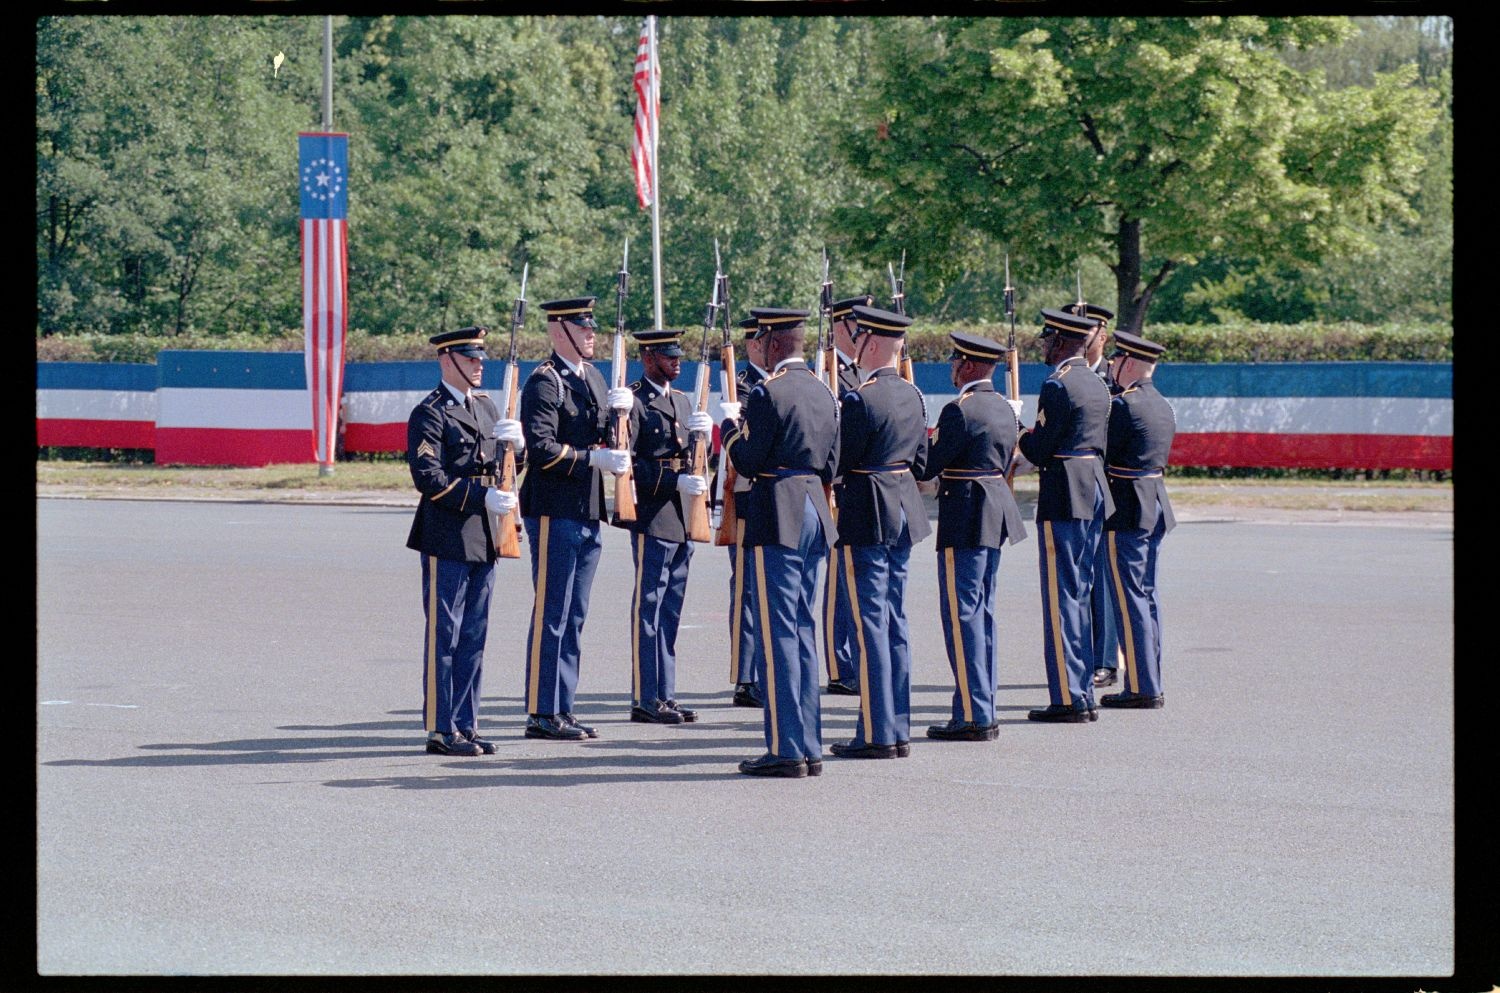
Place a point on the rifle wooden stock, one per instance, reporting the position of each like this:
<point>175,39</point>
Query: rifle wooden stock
<point>508,526</point>
<point>907,373</point>
<point>726,534</point>
<point>699,528</point>
<point>625,482</point>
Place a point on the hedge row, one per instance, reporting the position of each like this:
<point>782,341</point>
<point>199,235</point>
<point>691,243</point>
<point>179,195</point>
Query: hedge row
<point>1184,342</point>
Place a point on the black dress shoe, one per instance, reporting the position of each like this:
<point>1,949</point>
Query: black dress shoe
<point>815,767</point>
<point>964,731</point>
<point>1105,677</point>
<point>688,716</point>
<point>840,688</point>
<point>451,744</point>
<point>1058,714</point>
<point>849,750</point>
<point>903,749</point>
<point>550,727</point>
<point>472,736</point>
<point>1133,701</point>
<point>770,765</point>
<point>572,722</point>
<point>744,696</point>
<point>655,712</point>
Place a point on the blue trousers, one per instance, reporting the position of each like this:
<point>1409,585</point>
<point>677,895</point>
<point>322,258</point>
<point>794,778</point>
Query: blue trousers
<point>838,626</point>
<point>661,571</point>
<point>743,643</point>
<point>966,593</point>
<point>564,554</point>
<point>1132,557</point>
<point>784,585</point>
<point>1067,571</point>
<point>1107,650</point>
<point>456,604</point>
<point>874,577</point>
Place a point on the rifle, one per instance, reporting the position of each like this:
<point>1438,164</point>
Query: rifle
<point>1012,363</point>
<point>898,301</point>
<point>625,482</point>
<point>828,363</point>
<point>697,508</point>
<point>729,390</point>
<point>508,526</point>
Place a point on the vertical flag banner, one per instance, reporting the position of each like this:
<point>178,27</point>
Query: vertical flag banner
<point>647,111</point>
<point>323,175</point>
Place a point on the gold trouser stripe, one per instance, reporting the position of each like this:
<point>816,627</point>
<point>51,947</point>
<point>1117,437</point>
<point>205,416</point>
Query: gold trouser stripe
<point>767,645</point>
<point>735,632</point>
<point>1127,639</point>
<point>533,691</point>
<point>960,664</point>
<point>1054,614</point>
<point>864,658</point>
<point>429,716</point>
<point>635,620</point>
<point>830,611</point>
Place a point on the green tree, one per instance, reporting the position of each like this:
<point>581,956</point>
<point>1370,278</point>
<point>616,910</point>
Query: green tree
<point>163,155</point>
<point>1147,142</point>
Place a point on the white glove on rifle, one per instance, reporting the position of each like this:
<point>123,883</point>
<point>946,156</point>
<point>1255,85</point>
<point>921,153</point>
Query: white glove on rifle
<point>692,485</point>
<point>615,460</point>
<point>620,398</point>
<point>499,502</point>
<point>509,432</point>
<point>731,410</point>
<point>701,421</point>
<point>1016,405</point>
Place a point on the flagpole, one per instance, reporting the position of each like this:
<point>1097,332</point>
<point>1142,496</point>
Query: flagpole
<point>655,171</point>
<point>326,468</point>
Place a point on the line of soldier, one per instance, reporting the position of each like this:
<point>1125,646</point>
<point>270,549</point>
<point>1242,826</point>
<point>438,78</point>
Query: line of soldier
<point>800,451</point>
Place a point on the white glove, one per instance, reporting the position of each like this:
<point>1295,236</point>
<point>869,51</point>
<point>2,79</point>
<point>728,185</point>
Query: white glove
<point>615,460</point>
<point>701,421</point>
<point>1016,405</point>
<point>620,398</point>
<point>499,502</point>
<point>692,485</point>
<point>731,410</point>
<point>509,431</point>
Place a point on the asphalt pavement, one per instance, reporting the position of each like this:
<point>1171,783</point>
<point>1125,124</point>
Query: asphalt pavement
<point>230,775</point>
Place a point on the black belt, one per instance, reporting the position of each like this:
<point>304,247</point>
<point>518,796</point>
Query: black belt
<point>972,474</point>
<point>1076,453</point>
<point>1117,472</point>
<point>484,479</point>
<point>675,464</point>
<point>782,472</point>
<point>892,467</point>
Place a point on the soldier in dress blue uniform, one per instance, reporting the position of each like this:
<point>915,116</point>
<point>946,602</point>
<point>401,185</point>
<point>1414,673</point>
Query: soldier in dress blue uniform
<point>882,451</point>
<point>787,444</point>
<point>660,423</point>
<point>742,637</point>
<point>1141,428</point>
<point>451,438</point>
<point>1101,612</point>
<point>1066,445</point>
<point>565,412</point>
<point>977,515</point>
<point>838,620</point>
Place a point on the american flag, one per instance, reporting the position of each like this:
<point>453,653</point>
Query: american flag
<point>323,174</point>
<point>647,114</point>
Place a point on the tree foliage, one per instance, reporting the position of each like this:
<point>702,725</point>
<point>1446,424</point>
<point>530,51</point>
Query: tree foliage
<point>1149,142</point>
<point>1116,147</point>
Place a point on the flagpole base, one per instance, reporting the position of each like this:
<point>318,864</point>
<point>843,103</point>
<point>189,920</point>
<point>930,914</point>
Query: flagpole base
<point>324,469</point>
